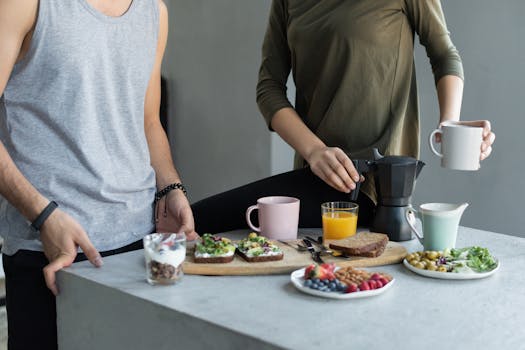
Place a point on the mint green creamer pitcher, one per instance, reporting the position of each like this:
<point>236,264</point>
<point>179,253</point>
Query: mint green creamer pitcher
<point>439,221</point>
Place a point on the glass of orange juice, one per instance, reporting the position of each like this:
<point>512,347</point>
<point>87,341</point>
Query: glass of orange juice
<point>339,219</point>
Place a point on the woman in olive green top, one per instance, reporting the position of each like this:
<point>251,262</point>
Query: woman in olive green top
<point>353,67</point>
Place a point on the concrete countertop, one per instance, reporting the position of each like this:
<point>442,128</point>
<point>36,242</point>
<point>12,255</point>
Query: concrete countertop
<point>114,308</point>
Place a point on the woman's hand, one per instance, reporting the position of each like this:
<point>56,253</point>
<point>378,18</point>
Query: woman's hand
<point>174,214</point>
<point>488,136</point>
<point>334,167</point>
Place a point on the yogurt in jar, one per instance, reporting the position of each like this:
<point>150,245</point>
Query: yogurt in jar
<point>164,255</point>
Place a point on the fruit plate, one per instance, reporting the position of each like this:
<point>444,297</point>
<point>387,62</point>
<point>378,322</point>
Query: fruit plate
<point>451,275</point>
<point>297,278</point>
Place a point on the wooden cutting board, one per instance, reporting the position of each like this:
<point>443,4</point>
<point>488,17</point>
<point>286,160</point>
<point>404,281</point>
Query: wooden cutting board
<point>293,260</point>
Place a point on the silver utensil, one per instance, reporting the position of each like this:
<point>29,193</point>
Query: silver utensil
<point>325,251</point>
<point>322,249</point>
<point>316,256</point>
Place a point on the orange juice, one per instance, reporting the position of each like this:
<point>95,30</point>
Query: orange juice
<point>339,224</point>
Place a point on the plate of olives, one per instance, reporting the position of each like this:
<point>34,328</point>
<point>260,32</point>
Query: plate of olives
<point>445,266</point>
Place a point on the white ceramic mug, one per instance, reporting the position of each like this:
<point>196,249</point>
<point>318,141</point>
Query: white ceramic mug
<point>460,146</point>
<point>278,217</point>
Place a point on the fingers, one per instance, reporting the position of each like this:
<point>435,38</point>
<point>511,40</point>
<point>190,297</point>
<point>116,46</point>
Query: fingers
<point>488,139</point>
<point>63,260</point>
<point>191,236</point>
<point>488,136</point>
<point>332,179</point>
<point>89,250</point>
<point>336,169</point>
<point>486,146</point>
<point>348,166</point>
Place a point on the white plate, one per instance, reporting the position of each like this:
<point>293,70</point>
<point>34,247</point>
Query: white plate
<point>450,275</point>
<point>297,278</point>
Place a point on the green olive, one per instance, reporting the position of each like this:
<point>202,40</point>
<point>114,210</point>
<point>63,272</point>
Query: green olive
<point>432,255</point>
<point>420,265</point>
<point>442,269</point>
<point>432,267</point>
<point>413,262</point>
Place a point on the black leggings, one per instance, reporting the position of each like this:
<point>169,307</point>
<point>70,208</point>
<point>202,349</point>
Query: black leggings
<point>31,307</point>
<point>226,211</point>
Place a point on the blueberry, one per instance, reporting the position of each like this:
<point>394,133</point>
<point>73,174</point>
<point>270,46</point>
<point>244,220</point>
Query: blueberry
<point>315,280</point>
<point>308,283</point>
<point>332,285</point>
<point>314,286</point>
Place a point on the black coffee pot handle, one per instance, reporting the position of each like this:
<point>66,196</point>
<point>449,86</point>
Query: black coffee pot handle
<point>362,166</point>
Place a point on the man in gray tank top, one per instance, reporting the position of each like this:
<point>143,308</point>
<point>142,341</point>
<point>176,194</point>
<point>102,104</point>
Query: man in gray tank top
<point>82,150</point>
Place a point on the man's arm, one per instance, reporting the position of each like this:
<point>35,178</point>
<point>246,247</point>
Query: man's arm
<point>179,216</point>
<point>16,20</point>
<point>60,234</point>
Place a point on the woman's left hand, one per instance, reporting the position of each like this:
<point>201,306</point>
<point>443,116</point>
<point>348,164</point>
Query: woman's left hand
<point>173,214</point>
<point>488,136</point>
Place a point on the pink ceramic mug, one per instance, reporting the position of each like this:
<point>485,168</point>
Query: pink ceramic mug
<point>278,217</point>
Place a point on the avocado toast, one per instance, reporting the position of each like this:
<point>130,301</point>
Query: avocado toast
<point>257,248</point>
<point>214,250</point>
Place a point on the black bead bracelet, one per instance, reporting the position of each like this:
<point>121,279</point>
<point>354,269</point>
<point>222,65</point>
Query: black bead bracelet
<point>40,219</point>
<point>168,189</point>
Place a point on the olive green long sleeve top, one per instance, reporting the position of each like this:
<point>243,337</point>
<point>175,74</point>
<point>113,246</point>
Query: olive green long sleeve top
<point>352,62</point>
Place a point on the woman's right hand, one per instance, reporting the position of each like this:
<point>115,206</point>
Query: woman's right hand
<point>334,167</point>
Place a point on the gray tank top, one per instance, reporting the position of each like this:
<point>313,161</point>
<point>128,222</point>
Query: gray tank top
<point>72,119</point>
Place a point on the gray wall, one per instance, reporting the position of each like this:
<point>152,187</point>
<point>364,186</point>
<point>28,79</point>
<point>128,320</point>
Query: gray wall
<point>490,36</point>
<point>220,141</point>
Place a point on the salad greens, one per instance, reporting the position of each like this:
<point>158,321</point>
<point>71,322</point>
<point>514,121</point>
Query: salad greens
<point>214,245</point>
<point>476,258</point>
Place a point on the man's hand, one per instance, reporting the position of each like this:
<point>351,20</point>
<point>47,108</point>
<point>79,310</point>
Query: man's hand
<point>61,235</point>
<point>334,167</point>
<point>174,215</point>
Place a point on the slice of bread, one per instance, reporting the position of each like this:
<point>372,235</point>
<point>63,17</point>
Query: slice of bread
<point>260,258</point>
<point>367,244</point>
<point>255,248</point>
<point>213,259</point>
<point>213,250</point>
<point>373,253</point>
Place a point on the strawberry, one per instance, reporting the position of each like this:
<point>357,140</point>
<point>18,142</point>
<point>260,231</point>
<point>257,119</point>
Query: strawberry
<point>379,284</point>
<point>351,288</point>
<point>375,276</point>
<point>323,272</point>
<point>372,284</point>
<point>328,266</point>
<point>364,286</point>
<point>308,272</point>
<point>384,281</point>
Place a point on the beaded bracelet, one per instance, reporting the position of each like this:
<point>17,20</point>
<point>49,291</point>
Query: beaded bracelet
<point>168,189</point>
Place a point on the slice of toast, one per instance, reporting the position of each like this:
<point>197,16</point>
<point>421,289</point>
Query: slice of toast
<point>213,259</point>
<point>373,253</point>
<point>260,258</point>
<point>362,244</point>
<point>213,250</point>
<point>255,248</point>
